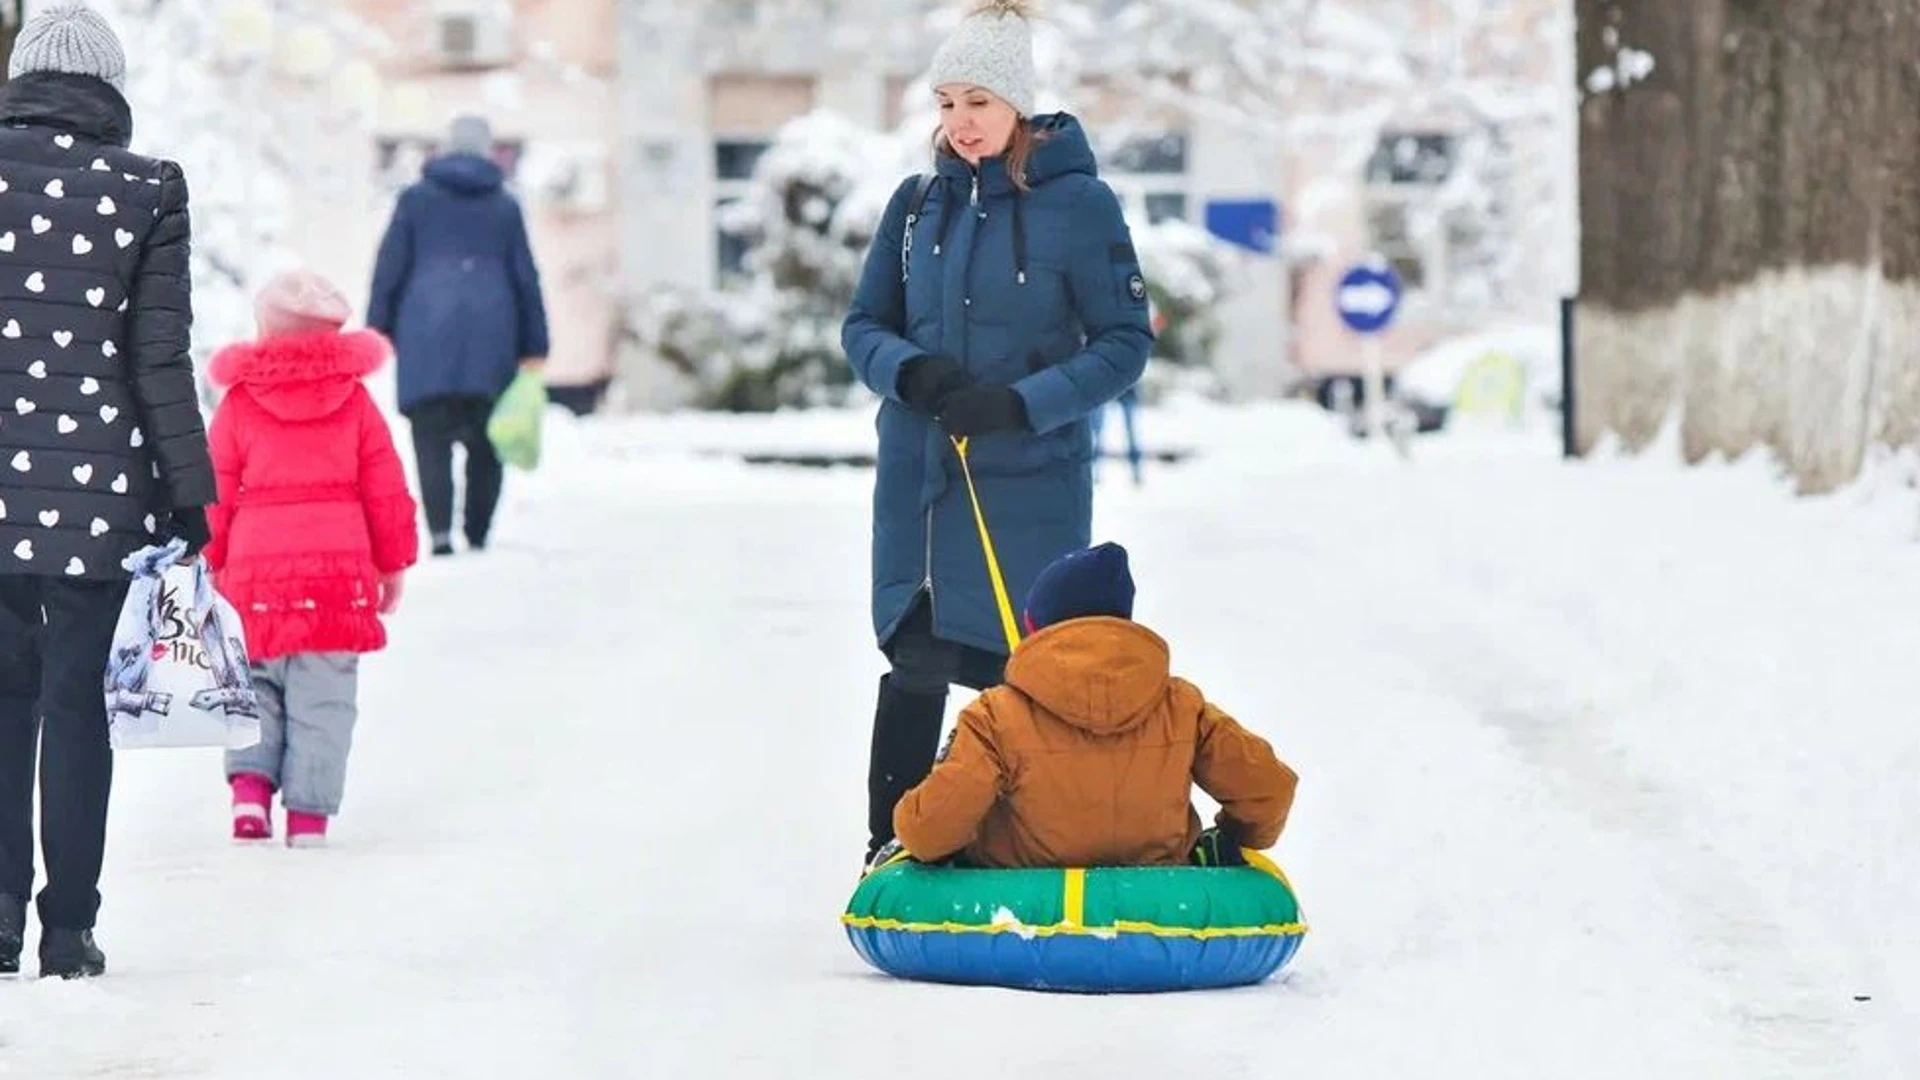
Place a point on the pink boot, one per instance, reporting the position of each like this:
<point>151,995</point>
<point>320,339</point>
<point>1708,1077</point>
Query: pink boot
<point>252,798</point>
<point>306,830</point>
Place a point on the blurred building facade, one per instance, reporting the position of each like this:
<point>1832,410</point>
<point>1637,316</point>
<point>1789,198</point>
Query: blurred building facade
<point>544,72</point>
<point>627,124</point>
<point>1408,174</point>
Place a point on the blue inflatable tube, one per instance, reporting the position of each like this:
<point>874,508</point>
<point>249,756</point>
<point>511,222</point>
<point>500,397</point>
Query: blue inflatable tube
<point>1106,930</point>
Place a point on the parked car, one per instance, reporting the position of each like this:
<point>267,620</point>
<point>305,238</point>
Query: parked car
<point>1512,368</point>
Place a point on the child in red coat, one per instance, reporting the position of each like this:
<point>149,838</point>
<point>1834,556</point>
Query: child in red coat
<point>311,536</point>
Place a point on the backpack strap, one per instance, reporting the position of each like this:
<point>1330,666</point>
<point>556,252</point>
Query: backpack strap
<point>921,185</point>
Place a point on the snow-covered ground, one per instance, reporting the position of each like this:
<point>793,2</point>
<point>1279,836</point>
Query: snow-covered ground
<point>1608,771</point>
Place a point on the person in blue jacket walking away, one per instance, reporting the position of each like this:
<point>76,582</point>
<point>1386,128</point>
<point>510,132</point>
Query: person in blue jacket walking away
<point>456,290</point>
<point>1002,303</point>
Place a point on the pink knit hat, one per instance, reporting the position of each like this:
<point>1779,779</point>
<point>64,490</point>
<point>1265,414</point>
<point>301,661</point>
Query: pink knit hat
<point>300,302</point>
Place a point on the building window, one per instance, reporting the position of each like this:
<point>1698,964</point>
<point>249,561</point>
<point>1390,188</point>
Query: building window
<point>730,248</point>
<point>733,165</point>
<point>459,35</point>
<point>1425,159</point>
<point>1153,155</point>
<point>1402,176</point>
<point>1150,175</point>
<point>1390,232</point>
<point>469,37</point>
<point>734,159</point>
<point>1165,206</point>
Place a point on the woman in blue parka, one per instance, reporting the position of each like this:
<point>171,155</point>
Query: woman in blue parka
<point>456,290</point>
<point>1002,302</point>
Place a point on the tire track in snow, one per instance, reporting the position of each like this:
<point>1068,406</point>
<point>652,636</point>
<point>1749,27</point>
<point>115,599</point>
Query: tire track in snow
<point>1486,657</point>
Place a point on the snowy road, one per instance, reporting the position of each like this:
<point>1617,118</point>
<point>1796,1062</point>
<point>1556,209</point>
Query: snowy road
<point>1606,771</point>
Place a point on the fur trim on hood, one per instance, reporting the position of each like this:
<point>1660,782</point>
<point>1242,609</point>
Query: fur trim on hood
<point>301,376</point>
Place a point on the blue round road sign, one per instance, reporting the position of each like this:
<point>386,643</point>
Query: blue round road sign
<point>1368,297</point>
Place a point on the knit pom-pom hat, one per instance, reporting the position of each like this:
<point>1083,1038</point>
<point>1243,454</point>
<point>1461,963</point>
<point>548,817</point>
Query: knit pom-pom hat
<point>992,49</point>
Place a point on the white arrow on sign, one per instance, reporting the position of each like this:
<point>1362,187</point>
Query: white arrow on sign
<point>1370,298</point>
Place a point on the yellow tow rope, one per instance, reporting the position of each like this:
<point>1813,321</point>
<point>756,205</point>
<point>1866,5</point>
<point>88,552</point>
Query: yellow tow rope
<point>1007,622</point>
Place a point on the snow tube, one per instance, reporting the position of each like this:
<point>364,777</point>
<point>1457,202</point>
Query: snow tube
<point>1097,931</point>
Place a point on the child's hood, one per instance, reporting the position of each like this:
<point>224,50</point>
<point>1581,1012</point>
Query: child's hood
<point>1101,675</point>
<point>301,376</point>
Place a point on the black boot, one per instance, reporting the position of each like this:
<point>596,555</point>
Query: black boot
<point>70,954</point>
<point>13,933</point>
<point>906,736</point>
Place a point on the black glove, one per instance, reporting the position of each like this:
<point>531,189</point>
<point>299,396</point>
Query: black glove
<point>1217,847</point>
<point>982,410</point>
<point>927,381</point>
<point>188,523</point>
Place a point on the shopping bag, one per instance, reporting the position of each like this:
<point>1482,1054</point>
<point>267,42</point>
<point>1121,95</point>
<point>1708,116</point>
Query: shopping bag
<point>514,427</point>
<point>178,674</point>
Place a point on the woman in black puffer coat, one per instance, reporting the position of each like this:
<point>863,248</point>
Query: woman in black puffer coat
<point>102,447</point>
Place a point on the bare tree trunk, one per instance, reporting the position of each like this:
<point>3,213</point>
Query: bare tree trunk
<point>1637,220</point>
<point>1751,228</point>
<point>1896,393</point>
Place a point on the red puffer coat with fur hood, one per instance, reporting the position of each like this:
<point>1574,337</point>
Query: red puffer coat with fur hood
<point>314,508</point>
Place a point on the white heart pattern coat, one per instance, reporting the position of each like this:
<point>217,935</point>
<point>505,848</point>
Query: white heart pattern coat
<point>104,431</point>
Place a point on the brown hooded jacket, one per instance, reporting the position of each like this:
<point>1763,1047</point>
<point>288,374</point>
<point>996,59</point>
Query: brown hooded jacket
<point>1087,757</point>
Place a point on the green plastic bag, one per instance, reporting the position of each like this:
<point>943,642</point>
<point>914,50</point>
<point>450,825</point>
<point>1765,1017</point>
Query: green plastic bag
<point>514,427</point>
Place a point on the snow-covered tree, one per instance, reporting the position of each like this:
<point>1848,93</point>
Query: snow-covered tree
<point>244,94</point>
<point>1322,81</point>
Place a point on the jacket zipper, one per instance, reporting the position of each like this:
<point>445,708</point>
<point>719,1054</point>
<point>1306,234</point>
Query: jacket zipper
<point>927,582</point>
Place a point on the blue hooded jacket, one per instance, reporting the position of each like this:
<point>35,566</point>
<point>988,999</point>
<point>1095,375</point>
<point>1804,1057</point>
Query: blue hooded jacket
<point>455,286</point>
<point>1040,291</point>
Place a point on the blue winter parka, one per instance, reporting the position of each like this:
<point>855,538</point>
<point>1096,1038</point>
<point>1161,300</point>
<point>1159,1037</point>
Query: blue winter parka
<point>455,287</point>
<point>1038,290</point>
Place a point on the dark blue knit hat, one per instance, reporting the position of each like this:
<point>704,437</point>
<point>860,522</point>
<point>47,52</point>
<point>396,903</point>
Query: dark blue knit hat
<point>1081,584</point>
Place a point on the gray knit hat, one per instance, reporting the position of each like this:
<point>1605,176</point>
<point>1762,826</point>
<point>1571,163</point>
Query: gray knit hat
<point>992,49</point>
<point>72,39</point>
<point>470,135</point>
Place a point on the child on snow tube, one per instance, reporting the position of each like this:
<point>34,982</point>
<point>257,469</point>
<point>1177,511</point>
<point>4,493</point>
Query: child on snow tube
<point>1086,756</point>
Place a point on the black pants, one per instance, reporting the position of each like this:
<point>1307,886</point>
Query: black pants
<point>912,706</point>
<point>54,639</point>
<point>439,424</point>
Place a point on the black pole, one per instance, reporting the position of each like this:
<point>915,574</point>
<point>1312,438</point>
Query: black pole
<point>1567,446</point>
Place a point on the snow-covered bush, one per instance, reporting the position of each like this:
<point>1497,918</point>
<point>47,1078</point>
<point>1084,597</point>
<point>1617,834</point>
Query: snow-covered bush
<point>773,339</point>
<point>792,213</point>
<point>718,344</point>
<point>1189,272</point>
<point>815,202</point>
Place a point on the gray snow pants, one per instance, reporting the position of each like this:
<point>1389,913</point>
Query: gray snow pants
<point>307,710</point>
